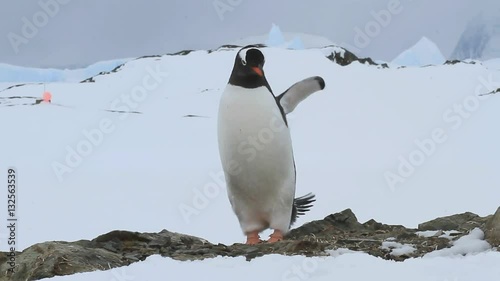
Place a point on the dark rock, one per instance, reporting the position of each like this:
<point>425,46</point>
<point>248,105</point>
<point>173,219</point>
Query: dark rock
<point>121,248</point>
<point>342,230</point>
<point>228,46</point>
<point>492,229</point>
<point>88,80</point>
<point>19,85</point>
<point>491,93</point>
<point>453,62</point>
<point>181,53</point>
<point>92,79</point>
<point>231,46</point>
<point>61,258</point>
<point>194,116</point>
<point>346,218</point>
<point>346,57</point>
<point>148,57</point>
<point>461,222</point>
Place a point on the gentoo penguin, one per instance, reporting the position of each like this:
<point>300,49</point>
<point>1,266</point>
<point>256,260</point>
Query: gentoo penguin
<point>256,148</point>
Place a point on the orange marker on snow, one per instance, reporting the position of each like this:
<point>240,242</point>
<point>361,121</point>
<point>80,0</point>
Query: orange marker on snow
<point>47,97</point>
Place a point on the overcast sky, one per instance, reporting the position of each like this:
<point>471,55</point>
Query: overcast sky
<point>86,31</point>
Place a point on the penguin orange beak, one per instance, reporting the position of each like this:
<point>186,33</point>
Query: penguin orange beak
<point>258,70</point>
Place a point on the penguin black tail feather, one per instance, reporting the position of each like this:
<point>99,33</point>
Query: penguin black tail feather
<point>301,205</point>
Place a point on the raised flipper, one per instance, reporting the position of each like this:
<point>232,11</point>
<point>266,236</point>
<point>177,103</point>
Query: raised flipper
<point>299,92</point>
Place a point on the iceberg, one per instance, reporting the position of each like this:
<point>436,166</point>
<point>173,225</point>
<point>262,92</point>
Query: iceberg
<point>424,52</point>
<point>19,74</point>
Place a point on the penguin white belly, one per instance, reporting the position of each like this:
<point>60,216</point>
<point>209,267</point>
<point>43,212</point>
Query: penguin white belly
<point>256,153</point>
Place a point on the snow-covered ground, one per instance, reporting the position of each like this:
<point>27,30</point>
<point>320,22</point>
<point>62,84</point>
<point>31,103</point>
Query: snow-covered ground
<point>401,146</point>
<point>493,64</point>
<point>347,266</point>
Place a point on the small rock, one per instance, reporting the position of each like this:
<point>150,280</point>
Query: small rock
<point>454,222</point>
<point>438,233</point>
<point>132,257</point>
<point>345,220</point>
<point>492,229</point>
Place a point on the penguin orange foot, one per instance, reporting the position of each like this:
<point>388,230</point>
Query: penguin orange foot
<point>253,238</point>
<point>276,236</point>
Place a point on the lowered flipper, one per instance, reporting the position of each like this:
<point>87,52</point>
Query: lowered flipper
<point>301,205</point>
<point>299,92</point>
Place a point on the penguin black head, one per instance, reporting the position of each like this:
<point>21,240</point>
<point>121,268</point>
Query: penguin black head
<point>248,69</point>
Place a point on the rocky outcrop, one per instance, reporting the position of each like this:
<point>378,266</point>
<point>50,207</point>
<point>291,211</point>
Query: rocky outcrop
<point>494,92</point>
<point>92,80</point>
<point>461,222</point>
<point>346,57</point>
<point>340,230</point>
<point>492,229</point>
<point>453,62</point>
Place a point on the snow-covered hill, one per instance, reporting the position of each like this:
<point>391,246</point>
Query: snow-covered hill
<point>137,149</point>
